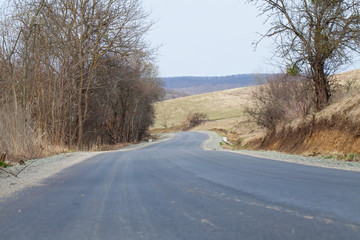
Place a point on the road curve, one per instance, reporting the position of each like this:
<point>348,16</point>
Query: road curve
<point>176,190</point>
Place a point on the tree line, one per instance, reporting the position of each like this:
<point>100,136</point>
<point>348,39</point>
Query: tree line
<point>79,71</point>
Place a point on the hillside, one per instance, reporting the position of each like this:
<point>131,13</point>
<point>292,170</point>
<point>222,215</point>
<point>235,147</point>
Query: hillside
<point>225,110</point>
<point>199,85</point>
<point>334,129</point>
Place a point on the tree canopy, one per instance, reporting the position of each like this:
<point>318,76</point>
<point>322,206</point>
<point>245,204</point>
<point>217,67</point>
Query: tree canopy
<point>67,63</point>
<point>316,37</point>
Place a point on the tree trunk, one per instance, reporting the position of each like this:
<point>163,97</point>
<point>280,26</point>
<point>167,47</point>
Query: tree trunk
<point>322,88</point>
<point>80,119</point>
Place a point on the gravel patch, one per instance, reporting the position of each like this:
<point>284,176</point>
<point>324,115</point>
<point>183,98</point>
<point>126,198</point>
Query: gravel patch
<point>213,143</point>
<point>19,177</point>
<point>162,138</point>
<point>37,170</point>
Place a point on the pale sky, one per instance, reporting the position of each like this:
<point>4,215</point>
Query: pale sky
<point>211,38</point>
<point>208,37</point>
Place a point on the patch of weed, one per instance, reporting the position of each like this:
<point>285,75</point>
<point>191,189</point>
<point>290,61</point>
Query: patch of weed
<point>332,157</point>
<point>352,157</point>
<point>4,165</point>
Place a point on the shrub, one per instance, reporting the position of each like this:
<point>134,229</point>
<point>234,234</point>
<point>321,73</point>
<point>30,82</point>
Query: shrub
<point>19,137</point>
<point>195,119</point>
<point>280,99</point>
<point>4,165</point>
<point>353,157</point>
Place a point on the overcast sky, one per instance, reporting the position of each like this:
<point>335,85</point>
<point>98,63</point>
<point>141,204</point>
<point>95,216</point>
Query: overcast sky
<point>208,37</point>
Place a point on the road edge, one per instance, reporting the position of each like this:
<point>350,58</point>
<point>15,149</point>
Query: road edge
<point>36,171</point>
<point>213,143</point>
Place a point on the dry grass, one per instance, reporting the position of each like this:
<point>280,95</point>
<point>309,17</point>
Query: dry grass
<point>334,130</point>
<point>325,133</point>
<point>228,104</point>
<point>342,78</point>
<point>348,107</point>
<point>226,111</point>
<point>19,138</point>
<point>346,83</point>
<point>106,147</point>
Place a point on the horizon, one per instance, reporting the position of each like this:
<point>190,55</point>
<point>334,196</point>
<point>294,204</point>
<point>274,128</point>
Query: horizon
<point>219,76</point>
<point>230,75</point>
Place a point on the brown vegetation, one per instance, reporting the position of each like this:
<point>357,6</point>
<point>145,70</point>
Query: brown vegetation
<point>20,138</point>
<point>314,37</point>
<point>223,108</point>
<point>74,74</point>
<point>335,129</point>
<point>280,99</point>
<point>318,136</point>
<point>194,119</point>
<point>299,130</point>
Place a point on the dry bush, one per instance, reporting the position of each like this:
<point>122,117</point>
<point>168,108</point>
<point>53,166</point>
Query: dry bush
<point>195,119</point>
<point>19,138</point>
<point>280,99</point>
<point>122,106</point>
<point>344,85</point>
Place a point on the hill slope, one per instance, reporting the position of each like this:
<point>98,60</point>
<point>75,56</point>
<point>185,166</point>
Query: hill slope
<point>199,85</point>
<point>225,110</point>
<point>334,129</point>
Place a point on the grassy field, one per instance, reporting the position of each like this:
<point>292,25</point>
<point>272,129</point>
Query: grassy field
<point>225,110</point>
<point>223,106</point>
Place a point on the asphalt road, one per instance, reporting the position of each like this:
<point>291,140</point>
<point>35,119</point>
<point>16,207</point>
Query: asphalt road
<point>176,190</point>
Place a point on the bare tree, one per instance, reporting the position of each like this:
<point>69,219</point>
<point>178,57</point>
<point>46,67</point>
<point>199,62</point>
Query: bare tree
<point>122,107</point>
<point>52,50</point>
<point>92,29</point>
<point>316,36</point>
<point>280,99</point>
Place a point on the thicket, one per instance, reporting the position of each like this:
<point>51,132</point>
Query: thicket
<point>74,73</point>
<point>280,99</point>
<point>195,119</point>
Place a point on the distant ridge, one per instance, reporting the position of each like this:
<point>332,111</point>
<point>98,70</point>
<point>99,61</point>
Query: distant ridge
<point>199,85</point>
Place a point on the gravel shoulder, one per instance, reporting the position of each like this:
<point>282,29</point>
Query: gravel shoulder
<point>213,143</point>
<point>19,177</point>
<point>37,170</point>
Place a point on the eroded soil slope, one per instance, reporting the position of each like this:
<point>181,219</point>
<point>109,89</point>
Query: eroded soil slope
<point>336,129</point>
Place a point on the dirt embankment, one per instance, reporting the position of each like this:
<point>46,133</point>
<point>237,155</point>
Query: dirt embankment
<point>336,129</point>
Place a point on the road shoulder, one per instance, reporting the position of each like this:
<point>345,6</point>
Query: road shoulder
<point>213,144</point>
<point>20,177</point>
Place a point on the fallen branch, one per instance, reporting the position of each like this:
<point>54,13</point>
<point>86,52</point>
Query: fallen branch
<point>15,174</point>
